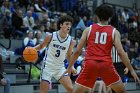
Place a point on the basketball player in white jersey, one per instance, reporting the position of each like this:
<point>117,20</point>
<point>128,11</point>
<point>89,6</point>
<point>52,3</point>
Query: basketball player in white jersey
<point>60,45</point>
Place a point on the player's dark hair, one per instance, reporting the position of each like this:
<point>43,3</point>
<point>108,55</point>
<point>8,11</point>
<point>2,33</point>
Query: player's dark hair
<point>104,12</point>
<point>65,18</point>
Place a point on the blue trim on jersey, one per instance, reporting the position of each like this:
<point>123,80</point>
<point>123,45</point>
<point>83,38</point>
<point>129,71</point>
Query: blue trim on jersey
<point>46,49</point>
<point>59,39</point>
<point>43,67</point>
<point>51,38</point>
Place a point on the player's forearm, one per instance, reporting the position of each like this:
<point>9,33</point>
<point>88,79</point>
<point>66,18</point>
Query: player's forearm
<point>73,59</point>
<point>68,59</point>
<point>38,47</point>
<point>71,63</point>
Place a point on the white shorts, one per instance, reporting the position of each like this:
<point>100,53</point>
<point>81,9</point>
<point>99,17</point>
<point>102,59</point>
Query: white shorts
<point>48,72</point>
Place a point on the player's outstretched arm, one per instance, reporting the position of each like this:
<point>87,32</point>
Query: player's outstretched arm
<point>123,55</point>
<point>69,53</point>
<point>78,49</point>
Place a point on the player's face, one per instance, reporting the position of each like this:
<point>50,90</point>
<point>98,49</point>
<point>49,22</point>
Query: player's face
<point>65,27</point>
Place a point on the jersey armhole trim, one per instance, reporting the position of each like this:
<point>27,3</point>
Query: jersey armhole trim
<point>89,31</point>
<point>49,41</point>
<point>113,35</point>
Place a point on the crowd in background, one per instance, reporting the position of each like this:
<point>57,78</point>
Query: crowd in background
<point>32,20</point>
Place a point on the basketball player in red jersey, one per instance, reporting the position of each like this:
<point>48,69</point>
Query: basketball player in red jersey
<point>100,38</point>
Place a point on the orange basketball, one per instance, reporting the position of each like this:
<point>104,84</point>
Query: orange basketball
<point>30,54</point>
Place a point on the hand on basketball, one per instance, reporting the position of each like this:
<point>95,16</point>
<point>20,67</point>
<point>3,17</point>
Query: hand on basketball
<point>136,78</point>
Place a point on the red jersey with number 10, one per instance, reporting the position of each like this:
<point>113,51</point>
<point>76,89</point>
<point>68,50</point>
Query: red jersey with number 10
<point>100,42</point>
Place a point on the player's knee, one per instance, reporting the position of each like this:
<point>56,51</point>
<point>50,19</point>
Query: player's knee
<point>119,90</point>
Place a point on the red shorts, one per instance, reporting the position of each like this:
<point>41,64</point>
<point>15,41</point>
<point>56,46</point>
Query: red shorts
<point>94,69</point>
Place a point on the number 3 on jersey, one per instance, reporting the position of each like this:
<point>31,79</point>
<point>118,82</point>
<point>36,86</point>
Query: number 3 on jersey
<point>57,53</point>
<point>100,38</point>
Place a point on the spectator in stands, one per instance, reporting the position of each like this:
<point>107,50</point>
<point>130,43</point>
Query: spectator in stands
<point>43,33</point>
<point>125,15</point>
<point>5,6</point>
<point>129,48</point>
<point>114,19</point>
<point>136,49</point>
<point>4,81</point>
<point>91,20</point>
<point>29,21</point>
<point>29,40</point>
<point>34,15</point>
<point>7,24</point>
<point>46,21</point>
<point>39,7</point>
<point>23,3</point>
<point>53,27</point>
<point>136,61</point>
<point>38,36</point>
<point>80,26</point>
<point>17,22</point>
<point>53,5</point>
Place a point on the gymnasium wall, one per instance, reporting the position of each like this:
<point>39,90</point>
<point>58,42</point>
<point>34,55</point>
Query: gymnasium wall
<point>138,4</point>
<point>125,3</point>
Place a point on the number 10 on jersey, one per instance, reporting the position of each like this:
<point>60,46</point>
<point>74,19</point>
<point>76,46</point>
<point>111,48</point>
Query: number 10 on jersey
<point>100,38</point>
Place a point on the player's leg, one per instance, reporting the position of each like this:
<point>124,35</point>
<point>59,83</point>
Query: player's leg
<point>79,89</point>
<point>118,87</point>
<point>66,82</point>
<point>44,86</point>
<point>64,79</point>
<point>45,77</point>
<point>102,86</point>
<point>87,77</point>
<point>109,90</point>
<point>111,77</point>
<point>93,89</point>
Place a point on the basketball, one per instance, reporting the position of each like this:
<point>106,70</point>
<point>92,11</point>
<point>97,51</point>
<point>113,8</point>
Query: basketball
<point>30,54</point>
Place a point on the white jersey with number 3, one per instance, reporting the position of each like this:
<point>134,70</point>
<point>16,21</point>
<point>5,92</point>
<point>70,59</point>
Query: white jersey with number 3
<point>57,51</point>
